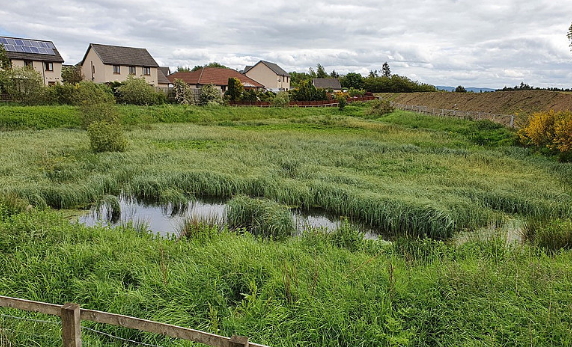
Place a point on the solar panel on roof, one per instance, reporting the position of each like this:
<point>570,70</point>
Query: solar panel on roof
<point>28,46</point>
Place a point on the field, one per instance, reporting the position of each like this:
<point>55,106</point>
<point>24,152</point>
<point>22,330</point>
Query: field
<point>509,102</point>
<point>421,181</point>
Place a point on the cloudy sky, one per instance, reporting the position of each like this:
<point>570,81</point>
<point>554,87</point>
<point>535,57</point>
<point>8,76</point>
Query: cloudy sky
<point>485,43</point>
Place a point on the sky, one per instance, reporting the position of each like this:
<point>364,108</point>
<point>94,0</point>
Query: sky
<point>484,43</point>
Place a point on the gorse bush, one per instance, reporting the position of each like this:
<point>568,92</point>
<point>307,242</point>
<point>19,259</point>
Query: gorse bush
<point>550,131</point>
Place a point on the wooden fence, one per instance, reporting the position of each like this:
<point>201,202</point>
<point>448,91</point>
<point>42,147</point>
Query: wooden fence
<point>72,315</point>
<point>506,120</point>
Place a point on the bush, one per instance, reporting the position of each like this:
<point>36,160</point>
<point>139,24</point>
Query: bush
<point>98,112</point>
<point>342,102</point>
<point>88,92</point>
<point>106,137</point>
<point>282,99</point>
<point>210,95</point>
<point>24,85</point>
<point>380,108</point>
<point>184,94</point>
<point>137,91</point>
<point>550,131</point>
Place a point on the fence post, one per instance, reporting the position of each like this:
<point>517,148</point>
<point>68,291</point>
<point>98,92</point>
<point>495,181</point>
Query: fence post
<point>71,325</point>
<point>238,341</point>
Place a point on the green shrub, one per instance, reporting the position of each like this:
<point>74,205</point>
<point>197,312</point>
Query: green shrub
<point>11,204</point>
<point>210,95</point>
<point>342,102</point>
<point>282,99</point>
<point>260,217</point>
<point>137,91</point>
<point>24,85</point>
<point>88,92</point>
<point>98,112</point>
<point>106,137</point>
<point>380,108</point>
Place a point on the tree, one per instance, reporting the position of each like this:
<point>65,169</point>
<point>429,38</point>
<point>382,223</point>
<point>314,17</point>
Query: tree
<point>213,64</point>
<point>235,89</point>
<point>334,74</point>
<point>23,84</point>
<point>321,72</point>
<point>460,89</point>
<point>570,35</point>
<point>72,74</point>
<point>385,70</point>
<point>352,80</point>
<point>210,95</point>
<point>137,91</point>
<point>5,62</point>
<point>185,69</point>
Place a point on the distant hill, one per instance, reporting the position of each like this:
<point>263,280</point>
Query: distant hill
<point>514,102</point>
<point>469,89</point>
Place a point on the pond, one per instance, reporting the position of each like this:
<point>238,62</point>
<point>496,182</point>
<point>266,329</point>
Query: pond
<point>167,220</point>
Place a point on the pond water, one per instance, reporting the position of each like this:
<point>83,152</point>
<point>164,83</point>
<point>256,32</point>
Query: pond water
<point>166,220</point>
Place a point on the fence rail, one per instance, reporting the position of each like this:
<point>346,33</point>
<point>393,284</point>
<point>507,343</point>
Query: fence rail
<point>72,315</point>
<point>504,119</point>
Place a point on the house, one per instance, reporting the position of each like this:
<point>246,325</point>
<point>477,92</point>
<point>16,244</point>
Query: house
<point>328,84</point>
<point>215,76</point>
<point>163,81</point>
<point>272,76</point>
<point>40,55</point>
<point>105,63</point>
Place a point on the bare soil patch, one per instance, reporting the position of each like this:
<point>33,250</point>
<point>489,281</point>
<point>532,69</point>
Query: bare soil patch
<point>515,102</point>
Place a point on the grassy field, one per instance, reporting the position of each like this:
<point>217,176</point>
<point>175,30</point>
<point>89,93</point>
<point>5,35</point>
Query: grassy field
<point>407,175</point>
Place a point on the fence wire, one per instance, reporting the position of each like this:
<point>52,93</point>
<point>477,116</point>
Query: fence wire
<point>36,332</point>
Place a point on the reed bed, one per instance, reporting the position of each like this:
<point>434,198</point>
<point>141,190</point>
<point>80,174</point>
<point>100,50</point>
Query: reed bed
<point>399,178</point>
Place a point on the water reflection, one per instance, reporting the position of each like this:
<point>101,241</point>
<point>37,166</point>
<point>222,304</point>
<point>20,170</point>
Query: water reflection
<point>167,219</point>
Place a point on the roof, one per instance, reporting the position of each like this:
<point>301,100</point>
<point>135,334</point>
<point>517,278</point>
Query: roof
<point>272,66</point>
<point>117,55</point>
<point>162,74</point>
<point>55,58</point>
<point>214,75</point>
<point>327,83</point>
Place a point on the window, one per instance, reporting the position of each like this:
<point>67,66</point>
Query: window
<point>147,71</point>
<point>132,70</point>
<point>116,69</point>
<point>49,66</point>
<point>28,63</point>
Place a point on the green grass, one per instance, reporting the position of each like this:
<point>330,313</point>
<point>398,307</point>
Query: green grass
<point>410,176</point>
<point>419,181</point>
<point>310,291</point>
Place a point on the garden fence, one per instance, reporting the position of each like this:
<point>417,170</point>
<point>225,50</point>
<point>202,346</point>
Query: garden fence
<point>71,316</point>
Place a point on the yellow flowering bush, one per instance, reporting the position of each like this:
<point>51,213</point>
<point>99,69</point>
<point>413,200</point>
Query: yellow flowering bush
<point>549,130</point>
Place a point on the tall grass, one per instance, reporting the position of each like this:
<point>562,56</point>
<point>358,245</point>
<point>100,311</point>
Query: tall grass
<point>414,181</point>
<point>314,290</point>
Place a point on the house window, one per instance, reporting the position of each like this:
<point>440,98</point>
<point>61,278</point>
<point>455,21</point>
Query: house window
<point>51,83</point>
<point>116,69</point>
<point>49,66</point>
<point>28,63</point>
<point>132,70</point>
<point>147,71</point>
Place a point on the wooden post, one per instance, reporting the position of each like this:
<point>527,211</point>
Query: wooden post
<point>238,341</point>
<point>71,325</point>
